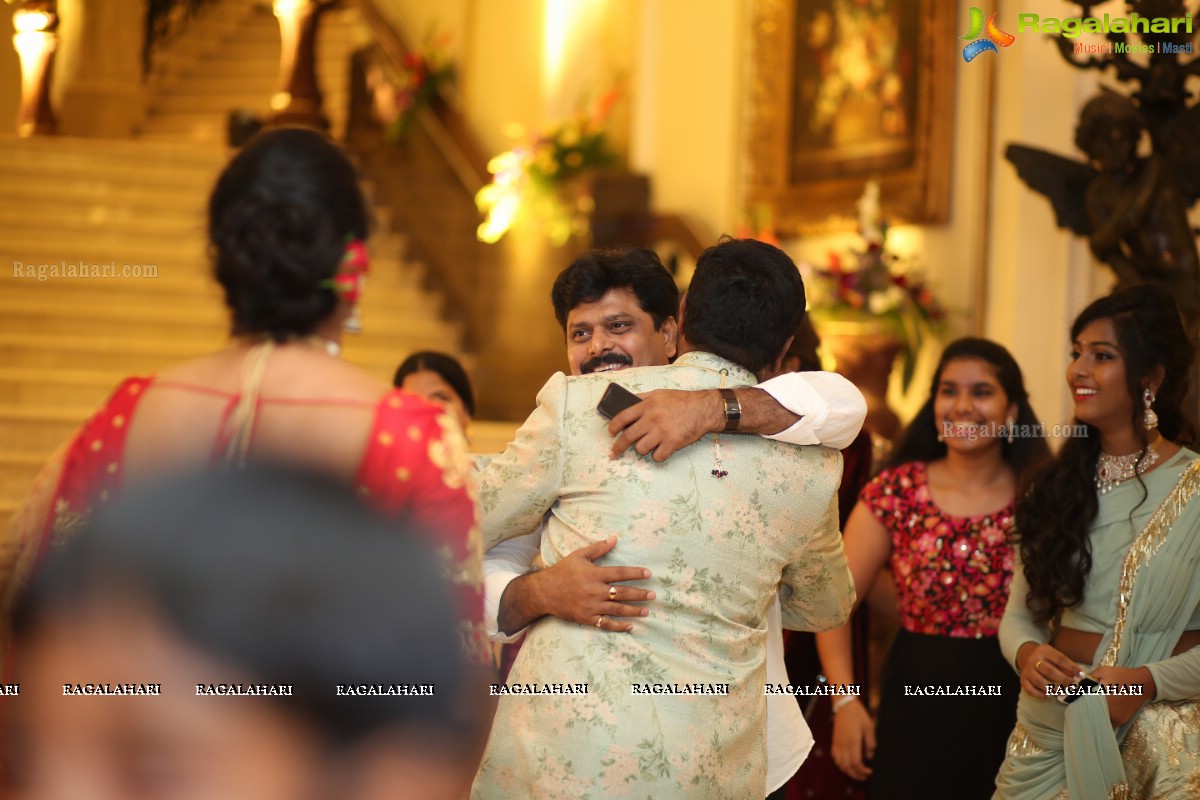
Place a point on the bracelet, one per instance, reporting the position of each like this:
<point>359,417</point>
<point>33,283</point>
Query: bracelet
<point>838,705</point>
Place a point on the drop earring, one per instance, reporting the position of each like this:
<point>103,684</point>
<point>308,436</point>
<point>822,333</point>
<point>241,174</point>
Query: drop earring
<point>1149,419</point>
<point>1010,423</point>
<point>353,321</point>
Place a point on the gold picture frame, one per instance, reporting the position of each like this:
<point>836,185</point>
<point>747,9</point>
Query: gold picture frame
<point>842,91</point>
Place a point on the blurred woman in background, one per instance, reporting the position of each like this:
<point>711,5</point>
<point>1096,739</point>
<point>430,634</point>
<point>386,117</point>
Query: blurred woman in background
<point>287,223</point>
<point>440,379</point>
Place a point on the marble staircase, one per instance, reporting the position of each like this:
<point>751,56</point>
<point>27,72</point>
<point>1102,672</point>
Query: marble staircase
<point>229,60</point>
<point>136,207</point>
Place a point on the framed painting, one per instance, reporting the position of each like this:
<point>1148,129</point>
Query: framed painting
<point>845,90</point>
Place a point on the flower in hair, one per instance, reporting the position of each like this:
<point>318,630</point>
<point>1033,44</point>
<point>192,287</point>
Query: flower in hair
<point>347,281</point>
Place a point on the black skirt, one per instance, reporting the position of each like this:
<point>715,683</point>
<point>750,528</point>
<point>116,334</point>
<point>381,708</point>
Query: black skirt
<point>942,732</point>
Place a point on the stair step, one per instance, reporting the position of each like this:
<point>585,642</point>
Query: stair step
<point>39,430</point>
<point>201,128</point>
<point>8,507</point>
<point>92,198</point>
<point>188,99</point>
<point>174,323</point>
<point>83,241</point>
<point>206,83</point>
<point>236,62</point>
<point>147,356</point>
<point>404,318</point>
<point>194,181</point>
<point>34,387</point>
<point>135,152</point>
<point>150,246</point>
<point>18,468</point>
<point>103,218</point>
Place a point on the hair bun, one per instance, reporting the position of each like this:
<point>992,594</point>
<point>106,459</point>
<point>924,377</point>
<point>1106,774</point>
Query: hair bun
<point>279,219</point>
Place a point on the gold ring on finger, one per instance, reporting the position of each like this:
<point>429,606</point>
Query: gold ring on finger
<point>599,620</point>
<point>612,593</point>
<point>1038,666</point>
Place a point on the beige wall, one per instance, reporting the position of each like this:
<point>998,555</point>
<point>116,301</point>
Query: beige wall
<point>687,104</point>
<point>525,64</point>
<point>1039,277</point>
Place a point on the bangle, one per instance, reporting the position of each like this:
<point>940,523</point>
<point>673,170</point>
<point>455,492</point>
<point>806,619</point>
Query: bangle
<point>841,703</point>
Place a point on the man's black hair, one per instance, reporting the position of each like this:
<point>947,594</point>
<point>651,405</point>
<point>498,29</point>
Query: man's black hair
<point>745,300</point>
<point>596,273</point>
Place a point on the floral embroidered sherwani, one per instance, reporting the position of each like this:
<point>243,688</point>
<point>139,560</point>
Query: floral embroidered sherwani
<point>718,550</point>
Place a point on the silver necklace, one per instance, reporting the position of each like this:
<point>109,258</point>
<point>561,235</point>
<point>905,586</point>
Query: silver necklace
<point>1112,471</point>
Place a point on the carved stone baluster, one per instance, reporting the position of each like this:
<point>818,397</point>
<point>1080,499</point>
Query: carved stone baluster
<point>35,41</point>
<point>298,100</point>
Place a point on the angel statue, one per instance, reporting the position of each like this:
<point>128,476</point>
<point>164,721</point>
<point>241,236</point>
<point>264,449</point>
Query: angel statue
<point>1133,209</point>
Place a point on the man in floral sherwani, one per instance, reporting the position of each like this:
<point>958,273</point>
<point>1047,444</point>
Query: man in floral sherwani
<point>721,526</point>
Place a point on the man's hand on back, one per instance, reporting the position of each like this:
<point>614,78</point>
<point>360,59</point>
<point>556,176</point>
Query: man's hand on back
<point>667,420</point>
<point>576,590</point>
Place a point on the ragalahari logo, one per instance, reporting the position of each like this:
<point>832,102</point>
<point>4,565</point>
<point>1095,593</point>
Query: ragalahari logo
<point>984,37</point>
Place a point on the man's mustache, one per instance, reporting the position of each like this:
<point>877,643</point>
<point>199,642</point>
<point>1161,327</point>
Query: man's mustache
<point>593,364</point>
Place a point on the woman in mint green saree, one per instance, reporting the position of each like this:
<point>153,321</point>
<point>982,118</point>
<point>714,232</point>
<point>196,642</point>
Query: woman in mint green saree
<point>1109,579</point>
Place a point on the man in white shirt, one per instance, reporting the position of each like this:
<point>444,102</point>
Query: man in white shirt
<point>617,310</point>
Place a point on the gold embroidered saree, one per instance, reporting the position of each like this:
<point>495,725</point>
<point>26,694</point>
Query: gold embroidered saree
<point>1059,752</point>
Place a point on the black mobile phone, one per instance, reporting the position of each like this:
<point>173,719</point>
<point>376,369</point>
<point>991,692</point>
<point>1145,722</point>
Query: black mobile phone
<point>615,400</point>
<point>1085,685</point>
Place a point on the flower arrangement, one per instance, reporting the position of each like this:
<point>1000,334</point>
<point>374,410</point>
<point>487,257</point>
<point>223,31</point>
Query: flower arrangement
<point>537,178</point>
<point>423,75</point>
<point>879,284</point>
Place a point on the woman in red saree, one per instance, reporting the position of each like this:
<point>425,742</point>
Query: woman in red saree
<point>286,224</point>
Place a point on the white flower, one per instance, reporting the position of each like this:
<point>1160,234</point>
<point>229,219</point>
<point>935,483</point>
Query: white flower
<point>869,213</point>
<point>879,303</point>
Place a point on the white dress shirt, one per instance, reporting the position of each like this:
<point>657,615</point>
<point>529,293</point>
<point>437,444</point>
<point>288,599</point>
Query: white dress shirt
<point>831,408</point>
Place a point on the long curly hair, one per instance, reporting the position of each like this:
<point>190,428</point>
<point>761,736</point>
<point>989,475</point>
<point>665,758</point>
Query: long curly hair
<point>1054,517</point>
<point>919,442</point>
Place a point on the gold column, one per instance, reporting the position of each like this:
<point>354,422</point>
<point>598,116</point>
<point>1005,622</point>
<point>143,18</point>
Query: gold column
<point>35,41</point>
<point>298,100</point>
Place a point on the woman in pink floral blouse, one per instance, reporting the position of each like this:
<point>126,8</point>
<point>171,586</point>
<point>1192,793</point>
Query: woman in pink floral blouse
<point>940,514</point>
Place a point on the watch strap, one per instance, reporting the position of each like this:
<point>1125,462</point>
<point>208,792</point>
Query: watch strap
<point>733,410</point>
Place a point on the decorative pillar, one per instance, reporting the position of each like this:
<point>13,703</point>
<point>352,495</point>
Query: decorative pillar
<point>298,100</point>
<point>35,41</point>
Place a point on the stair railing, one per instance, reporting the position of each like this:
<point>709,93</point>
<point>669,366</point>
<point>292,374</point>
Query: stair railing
<point>444,124</point>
